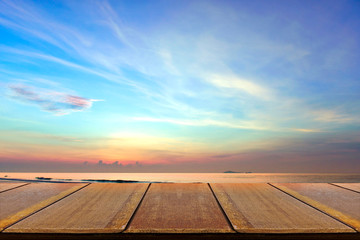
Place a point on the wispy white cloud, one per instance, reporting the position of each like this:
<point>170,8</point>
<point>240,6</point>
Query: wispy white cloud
<point>239,84</point>
<point>204,122</point>
<point>306,130</point>
<point>181,67</point>
<point>332,116</point>
<point>50,58</point>
<point>30,19</point>
<point>113,21</point>
<point>58,103</point>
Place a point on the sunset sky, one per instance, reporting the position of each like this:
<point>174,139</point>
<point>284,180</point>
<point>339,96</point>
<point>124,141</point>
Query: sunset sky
<point>180,86</point>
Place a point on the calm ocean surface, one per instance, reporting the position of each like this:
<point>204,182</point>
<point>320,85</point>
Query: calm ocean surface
<point>193,177</point>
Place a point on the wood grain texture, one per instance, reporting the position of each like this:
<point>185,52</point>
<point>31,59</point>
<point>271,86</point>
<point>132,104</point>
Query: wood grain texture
<point>179,208</point>
<point>177,236</point>
<point>6,186</point>
<point>352,186</point>
<point>98,208</point>
<point>340,203</point>
<point>21,202</point>
<point>261,208</point>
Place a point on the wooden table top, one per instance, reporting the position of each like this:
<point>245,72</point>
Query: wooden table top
<point>23,201</point>
<point>352,186</point>
<point>100,208</point>
<point>5,186</point>
<point>179,208</point>
<point>135,209</point>
<point>338,202</point>
<point>261,208</point>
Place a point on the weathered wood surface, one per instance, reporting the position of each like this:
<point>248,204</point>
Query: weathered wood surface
<point>179,236</point>
<point>261,208</point>
<point>98,208</point>
<point>21,202</point>
<point>340,203</point>
<point>352,186</point>
<point>5,186</point>
<point>179,208</point>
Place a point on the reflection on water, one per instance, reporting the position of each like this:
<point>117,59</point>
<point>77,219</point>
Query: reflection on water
<point>196,177</point>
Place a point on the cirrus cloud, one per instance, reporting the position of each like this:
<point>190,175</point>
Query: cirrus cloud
<point>58,103</point>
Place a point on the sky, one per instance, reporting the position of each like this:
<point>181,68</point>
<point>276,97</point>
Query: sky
<point>180,86</point>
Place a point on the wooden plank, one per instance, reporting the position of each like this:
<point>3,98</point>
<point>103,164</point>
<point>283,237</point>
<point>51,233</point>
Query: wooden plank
<point>340,203</point>
<point>179,208</point>
<point>261,208</point>
<point>99,208</point>
<point>6,186</point>
<point>179,236</point>
<point>21,202</point>
<point>352,186</point>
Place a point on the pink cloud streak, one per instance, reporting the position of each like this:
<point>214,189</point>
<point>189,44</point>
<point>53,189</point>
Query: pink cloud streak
<point>58,103</point>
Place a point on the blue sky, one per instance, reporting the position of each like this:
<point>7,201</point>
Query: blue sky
<point>181,85</point>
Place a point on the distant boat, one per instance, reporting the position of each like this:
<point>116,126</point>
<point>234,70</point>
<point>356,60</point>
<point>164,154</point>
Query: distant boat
<point>235,172</point>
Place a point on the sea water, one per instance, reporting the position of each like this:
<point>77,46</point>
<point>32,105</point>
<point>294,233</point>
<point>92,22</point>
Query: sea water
<point>191,177</point>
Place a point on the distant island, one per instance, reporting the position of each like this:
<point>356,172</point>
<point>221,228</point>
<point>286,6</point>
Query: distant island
<point>235,172</point>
